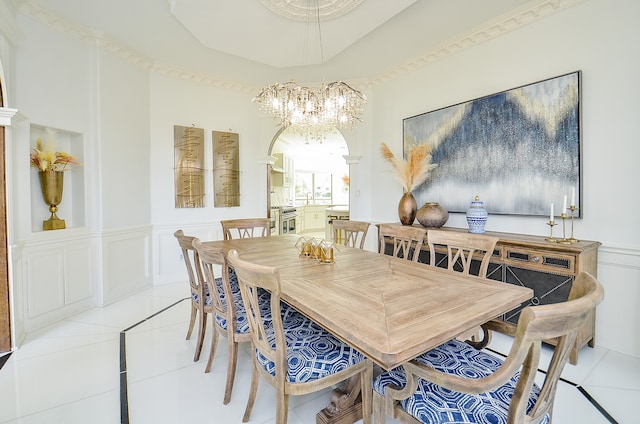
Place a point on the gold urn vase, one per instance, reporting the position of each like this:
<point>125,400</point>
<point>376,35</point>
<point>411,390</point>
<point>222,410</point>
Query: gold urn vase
<point>407,208</point>
<point>51,183</point>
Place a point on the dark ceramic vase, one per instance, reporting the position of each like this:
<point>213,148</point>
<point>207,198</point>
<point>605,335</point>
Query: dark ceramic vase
<point>407,208</point>
<point>432,215</point>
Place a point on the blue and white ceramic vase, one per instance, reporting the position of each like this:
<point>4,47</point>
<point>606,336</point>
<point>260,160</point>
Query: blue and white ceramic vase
<point>477,216</point>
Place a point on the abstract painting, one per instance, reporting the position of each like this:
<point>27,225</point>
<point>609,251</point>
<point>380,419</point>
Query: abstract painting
<point>518,150</point>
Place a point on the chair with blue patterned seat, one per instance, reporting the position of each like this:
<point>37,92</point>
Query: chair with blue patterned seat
<point>456,383</point>
<point>229,318</point>
<point>293,353</point>
<point>200,299</point>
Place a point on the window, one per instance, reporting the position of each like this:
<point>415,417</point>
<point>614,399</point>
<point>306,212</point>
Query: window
<point>314,187</point>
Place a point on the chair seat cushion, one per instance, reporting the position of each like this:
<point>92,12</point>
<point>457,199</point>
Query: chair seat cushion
<point>434,404</point>
<point>312,352</point>
<point>196,297</point>
<point>242,325</point>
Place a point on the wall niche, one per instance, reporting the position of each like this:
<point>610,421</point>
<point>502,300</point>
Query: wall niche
<point>72,207</point>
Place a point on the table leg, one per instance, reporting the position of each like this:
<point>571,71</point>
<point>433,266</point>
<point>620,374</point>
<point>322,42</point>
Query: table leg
<point>345,406</point>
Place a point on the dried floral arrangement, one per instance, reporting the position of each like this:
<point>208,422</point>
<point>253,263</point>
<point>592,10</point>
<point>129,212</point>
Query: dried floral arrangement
<point>414,170</point>
<point>45,158</point>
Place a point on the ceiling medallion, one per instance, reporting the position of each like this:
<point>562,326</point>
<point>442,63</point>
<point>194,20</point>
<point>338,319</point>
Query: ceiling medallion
<point>302,10</point>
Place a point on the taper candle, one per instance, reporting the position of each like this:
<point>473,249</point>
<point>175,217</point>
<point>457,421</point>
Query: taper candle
<point>573,196</point>
<point>551,214</point>
<point>564,204</point>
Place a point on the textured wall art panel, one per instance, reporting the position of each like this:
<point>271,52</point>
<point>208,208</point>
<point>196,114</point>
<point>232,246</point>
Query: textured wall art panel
<point>226,169</point>
<point>189,166</point>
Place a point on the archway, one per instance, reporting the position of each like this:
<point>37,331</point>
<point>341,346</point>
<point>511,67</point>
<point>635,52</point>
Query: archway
<point>316,176</point>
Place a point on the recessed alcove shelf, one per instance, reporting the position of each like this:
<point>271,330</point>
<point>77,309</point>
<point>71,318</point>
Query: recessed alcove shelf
<point>72,207</point>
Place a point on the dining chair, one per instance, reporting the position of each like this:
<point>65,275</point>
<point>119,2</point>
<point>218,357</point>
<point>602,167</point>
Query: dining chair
<point>245,228</point>
<point>457,383</point>
<point>347,232</point>
<point>229,318</point>
<point>461,248</point>
<point>406,240</point>
<point>292,352</point>
<point>200,298</point>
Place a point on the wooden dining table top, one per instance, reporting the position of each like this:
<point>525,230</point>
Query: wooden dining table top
<point>390,309</point>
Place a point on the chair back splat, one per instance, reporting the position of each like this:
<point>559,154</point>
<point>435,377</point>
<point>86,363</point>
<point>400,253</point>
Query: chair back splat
<point>405,240</point>
<point>424,389</point>
<point>461,248</point>
<point>321,359</point>
<point>347,232</point>
<point>245,228</point>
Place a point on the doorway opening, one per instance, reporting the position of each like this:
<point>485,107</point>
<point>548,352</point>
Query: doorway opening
<point>310,176</point>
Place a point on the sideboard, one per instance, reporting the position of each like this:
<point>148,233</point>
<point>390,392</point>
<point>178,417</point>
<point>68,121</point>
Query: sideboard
<point>548,268</point>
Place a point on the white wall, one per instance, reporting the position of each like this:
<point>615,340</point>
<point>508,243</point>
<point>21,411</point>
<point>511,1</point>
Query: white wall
<point>185,103</point>
<point>602,41</point>
<point>122,109</point>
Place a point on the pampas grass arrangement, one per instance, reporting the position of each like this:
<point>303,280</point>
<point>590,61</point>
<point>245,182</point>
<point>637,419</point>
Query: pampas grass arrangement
<point>414,170</point>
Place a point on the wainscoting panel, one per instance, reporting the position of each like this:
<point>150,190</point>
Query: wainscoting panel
<point>58,278</point>
<point>168,263</point>
<point>126,262</point>
<point>618,316</point>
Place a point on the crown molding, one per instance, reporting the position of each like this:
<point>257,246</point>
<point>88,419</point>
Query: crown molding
<point>529,13</point>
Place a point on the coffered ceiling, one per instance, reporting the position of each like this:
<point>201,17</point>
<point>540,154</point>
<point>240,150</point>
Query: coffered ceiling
<point>258,40</point>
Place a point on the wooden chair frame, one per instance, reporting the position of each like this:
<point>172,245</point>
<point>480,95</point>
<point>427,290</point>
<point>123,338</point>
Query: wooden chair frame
<point>211,258</point>
<point>253,277</point>
<point>461,248</point>
<point>195,275</point>
<point>536,324</point>
<point>347,232</point>
<point>246,227</point>
<point>407,240</point>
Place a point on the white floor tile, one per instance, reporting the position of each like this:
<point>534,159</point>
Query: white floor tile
<point>69,373</point>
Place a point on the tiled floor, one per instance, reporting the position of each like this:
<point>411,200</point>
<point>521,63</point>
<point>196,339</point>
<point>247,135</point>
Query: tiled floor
<point>70,373</point>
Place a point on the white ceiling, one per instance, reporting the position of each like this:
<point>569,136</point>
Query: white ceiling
<point>245,40</point>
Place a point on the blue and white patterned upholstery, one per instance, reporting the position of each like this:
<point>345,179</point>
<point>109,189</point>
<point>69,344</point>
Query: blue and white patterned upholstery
<point>434,404</point>
<point>242,325</point>
<point>312,352</point>
<point>196,297</point>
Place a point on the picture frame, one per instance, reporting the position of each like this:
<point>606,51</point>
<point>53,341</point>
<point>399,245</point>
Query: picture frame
<point>518,150</point>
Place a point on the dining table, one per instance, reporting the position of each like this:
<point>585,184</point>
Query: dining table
<point>388,308</point>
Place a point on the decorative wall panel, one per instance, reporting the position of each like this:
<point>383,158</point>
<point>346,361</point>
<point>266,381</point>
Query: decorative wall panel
<point>226,169</point>
<point>189,166</point>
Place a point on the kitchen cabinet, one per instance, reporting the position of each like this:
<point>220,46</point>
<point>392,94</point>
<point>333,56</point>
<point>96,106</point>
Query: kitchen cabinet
<point>283,171</point>
<point>314,217</point>
<point>300,219</point>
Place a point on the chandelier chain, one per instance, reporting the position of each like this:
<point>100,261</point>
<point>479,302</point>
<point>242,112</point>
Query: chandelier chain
<point>313,113</point>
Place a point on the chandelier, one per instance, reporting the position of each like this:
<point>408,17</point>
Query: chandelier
<point>312,112</point>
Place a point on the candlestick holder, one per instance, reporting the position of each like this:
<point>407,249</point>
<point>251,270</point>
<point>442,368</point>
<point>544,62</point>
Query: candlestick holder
<point>573,209</point>
<point>551,238</point>
<point>564,239</point>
